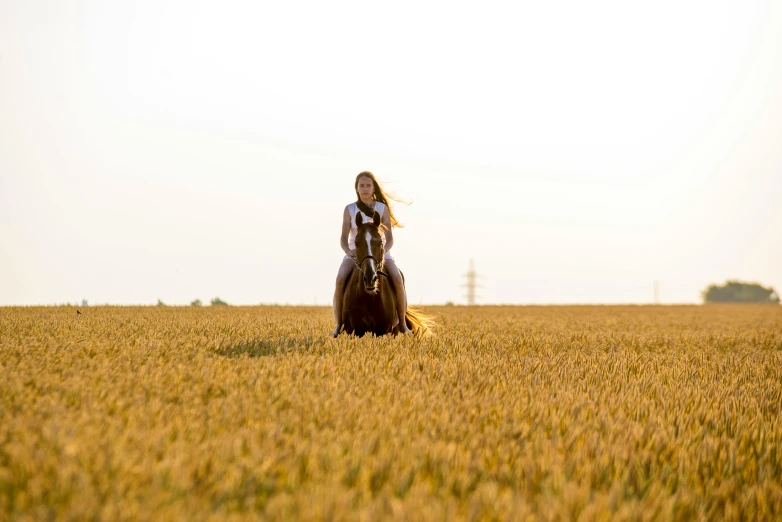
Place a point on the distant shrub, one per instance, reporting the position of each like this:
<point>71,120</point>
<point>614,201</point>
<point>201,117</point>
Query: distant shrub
<point>738,292</point>
<point>218,302</point>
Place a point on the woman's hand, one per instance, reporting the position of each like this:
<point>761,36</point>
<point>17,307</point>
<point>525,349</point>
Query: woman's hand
<point>351,253</point>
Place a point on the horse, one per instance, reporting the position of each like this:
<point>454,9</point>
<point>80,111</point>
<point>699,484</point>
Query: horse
<point>369,304</point>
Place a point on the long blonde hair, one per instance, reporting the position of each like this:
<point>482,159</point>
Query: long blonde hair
<point>380,195</point>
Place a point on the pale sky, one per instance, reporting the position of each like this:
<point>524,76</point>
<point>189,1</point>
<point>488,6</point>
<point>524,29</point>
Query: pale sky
<point>577,151</point>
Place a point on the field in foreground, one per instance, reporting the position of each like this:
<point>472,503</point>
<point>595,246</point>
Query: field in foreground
<point>507,413</point>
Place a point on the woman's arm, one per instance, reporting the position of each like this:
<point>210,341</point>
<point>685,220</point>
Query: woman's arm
<point>343,240</point>
<point>389,235</point>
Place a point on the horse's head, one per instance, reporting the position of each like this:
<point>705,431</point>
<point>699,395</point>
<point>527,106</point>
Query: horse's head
<point>369,251</point>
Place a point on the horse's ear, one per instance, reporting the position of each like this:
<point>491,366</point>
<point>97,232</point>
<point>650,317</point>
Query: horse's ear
<point>359,219</point>
<point>376,218</point>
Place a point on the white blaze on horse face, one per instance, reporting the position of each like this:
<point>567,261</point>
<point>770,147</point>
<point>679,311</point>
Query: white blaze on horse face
<point>371,260</point>
<point>368,237</point>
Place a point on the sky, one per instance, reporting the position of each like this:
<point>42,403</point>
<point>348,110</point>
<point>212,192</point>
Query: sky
<point>576,151</point>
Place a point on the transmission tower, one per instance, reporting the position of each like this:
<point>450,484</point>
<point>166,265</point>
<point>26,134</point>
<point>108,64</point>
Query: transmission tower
<point>471,276</point>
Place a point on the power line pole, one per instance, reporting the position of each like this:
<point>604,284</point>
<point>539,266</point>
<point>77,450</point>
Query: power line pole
<point>471,277</point>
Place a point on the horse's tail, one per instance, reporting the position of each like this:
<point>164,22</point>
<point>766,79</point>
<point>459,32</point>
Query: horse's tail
<point>418,321</point>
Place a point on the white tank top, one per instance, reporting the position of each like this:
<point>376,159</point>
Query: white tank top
<point>353,209</point>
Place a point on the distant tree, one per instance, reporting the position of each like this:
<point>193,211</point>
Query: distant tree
<point>161,303</point>
<point>218,302</point>
<point>195,302</point>
<point>738,292</point>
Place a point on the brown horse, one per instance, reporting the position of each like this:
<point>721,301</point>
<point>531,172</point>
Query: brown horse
<point>369,304</point>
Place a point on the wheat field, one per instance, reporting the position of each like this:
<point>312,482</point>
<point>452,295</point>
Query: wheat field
<point>506,413</point>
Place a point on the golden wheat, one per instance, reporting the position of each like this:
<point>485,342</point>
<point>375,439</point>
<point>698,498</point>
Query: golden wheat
<point>507,413</point>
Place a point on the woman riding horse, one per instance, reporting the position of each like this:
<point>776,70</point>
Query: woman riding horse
<point>371,199</point>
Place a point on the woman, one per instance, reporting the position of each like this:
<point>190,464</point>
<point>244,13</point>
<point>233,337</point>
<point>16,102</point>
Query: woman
<point>371,198</point>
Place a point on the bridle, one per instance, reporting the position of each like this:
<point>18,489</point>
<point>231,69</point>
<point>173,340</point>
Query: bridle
<point>377,264</point>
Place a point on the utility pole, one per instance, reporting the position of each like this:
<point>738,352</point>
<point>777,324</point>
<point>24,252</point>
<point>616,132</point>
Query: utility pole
<point>471,275</point>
